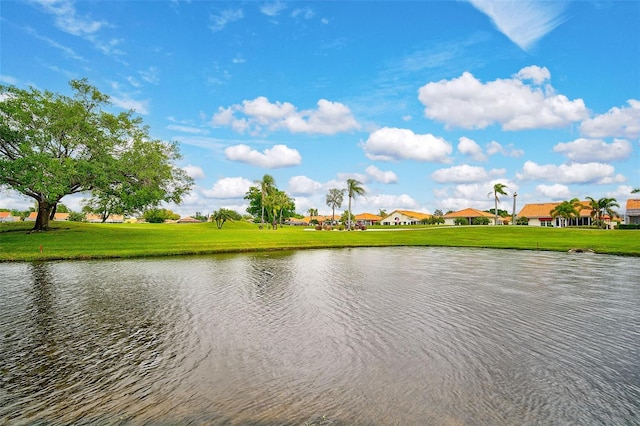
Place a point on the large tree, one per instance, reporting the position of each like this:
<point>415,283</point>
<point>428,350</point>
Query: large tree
<point>268,202</point>
<point>334,199</point>
<point>635,191</point>
<point>498,189</point>
<point>53,145</point>
<point>354,189</point>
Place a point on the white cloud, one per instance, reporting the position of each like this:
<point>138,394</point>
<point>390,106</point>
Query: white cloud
<point>475,195</point>
<point>524,22</point>
<point>381,176</point>
<point>617,122</point>
<point>469,147</point>
<point>232,187</point>
<point>194,172</point>
<point>151,75</point>
<point>392,144</point>
<point>468,103</point>
<point>465,174</point>
<point>259,115</point>
<point>306,13</point>
<point>67,19</point>
<point>537,74</point>
<point>595,150</point>
<point>141,107</point>
<point>388,202</point>
<point>302,185</point>
<point>67,50</point>
<point>187,129</point>
<point>554,192</point>
<point>7,79</point>
<point>218,22</point>
<point>494,147</point>
<point>272,158</point>
<point>273,9</point>
<point>582,173</point>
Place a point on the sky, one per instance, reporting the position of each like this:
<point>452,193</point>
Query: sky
<point>427,103</point>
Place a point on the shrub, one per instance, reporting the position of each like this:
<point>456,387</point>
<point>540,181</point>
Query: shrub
<point>522,221</point>
<point>629,226</point>
<point>481,221</point>
<point>318,227</point>
<point>461,221</point>
<point>77,217</point>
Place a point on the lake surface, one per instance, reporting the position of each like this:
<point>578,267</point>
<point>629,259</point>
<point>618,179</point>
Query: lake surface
<point>366,336</point>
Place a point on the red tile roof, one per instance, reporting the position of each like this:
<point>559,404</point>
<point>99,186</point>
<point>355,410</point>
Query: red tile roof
<point>633,204</point>
<point>469,213</point>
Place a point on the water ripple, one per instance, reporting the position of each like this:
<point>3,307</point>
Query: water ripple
<point>355,336</point>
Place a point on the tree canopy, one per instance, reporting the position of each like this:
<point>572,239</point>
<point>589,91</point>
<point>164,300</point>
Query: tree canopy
<point>268,202</point>
<point>53,145</point>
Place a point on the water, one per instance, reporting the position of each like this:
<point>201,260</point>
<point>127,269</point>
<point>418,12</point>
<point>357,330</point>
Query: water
<point>383,336</point>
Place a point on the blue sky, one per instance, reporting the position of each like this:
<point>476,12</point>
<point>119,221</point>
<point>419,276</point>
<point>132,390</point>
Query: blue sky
<point>429,104</point>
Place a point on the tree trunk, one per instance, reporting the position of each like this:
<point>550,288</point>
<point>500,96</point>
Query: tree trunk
<point>53,209</point>
<point>42,220</point>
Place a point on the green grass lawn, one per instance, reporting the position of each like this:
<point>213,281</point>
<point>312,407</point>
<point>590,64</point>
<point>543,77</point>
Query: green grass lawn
<point>70,240</point>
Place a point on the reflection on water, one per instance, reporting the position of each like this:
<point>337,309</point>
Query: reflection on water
<point>353,336</point>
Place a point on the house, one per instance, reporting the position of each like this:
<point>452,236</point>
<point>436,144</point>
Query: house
<point>404,217</point>
<point>633,212</point>
<point>58,216</point>
<point>540,215</point>
<point>367,219</point>
<point>321,219</point>
<point>469,214</point>
<point>188,219</point>
<point>96,218</point>
<point>8,217</point>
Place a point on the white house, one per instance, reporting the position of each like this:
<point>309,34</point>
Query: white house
<point>404,217</point>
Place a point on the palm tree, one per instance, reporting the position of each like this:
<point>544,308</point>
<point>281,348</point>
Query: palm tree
<point>498,188</point>
<point>221,216</point>
<point>601,207</point>
<point>266,186</point>
<point>354,188</point>
<point>312,212</point>
<point>334,199</point>
<point>566,210</point>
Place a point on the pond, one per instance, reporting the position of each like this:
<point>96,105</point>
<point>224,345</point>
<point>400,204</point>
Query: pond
<point>365,336</point>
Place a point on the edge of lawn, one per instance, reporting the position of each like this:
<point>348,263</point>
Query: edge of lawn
<point>84,241</point>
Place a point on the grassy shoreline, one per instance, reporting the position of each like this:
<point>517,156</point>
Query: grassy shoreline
<point>69,240</point>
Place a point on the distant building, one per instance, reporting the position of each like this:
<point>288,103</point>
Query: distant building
<point>8,217</point>
<point>96,218</point>
<point>367,219</point>
<point>469,214</point>
<point>540,215</point>
<point>404,217</point>
<point>633,212</point>
<point>188,219</point>
<point>58,216</point>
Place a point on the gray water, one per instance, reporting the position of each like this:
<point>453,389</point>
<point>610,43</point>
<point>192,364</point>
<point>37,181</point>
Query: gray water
<point>380,336</point>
